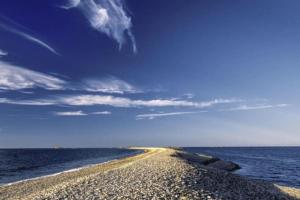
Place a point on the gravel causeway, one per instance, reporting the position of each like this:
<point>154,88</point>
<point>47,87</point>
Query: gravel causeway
<point>156,174</point>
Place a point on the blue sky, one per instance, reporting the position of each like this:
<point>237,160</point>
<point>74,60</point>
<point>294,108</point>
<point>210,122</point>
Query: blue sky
<point>99,73</point>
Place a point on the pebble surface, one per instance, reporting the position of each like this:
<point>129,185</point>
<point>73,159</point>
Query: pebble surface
<point>156,175</point>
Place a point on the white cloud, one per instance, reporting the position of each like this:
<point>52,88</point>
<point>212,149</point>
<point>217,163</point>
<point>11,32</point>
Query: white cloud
<point>256,107</point>
<point>106,16</point>
<point>217,101</point>
<point>80,113</point>
<point>89,100</point>
<point>71,113</point>
<point>26,35</point>
<point>101,113</point>
<point>155,115</point>
<point>71,4</point>
<point>122,102</point>
<point>13,77</point>
<point>37,102</point>
<point>3,53</point>
<point>39,42</point>
<point>108,85</point>
<point>27,92</point>
<point>189,95</point>
<point>108,100</point>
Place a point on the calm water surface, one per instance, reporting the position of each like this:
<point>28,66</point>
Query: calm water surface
<point>276,164</point>
<point>20,164</point>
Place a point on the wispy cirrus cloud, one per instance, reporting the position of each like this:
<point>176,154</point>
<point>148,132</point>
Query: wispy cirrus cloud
<point>90,100</point>
<point>3,53</point>
<point>13,77</point>
<point>256,107</point>
<point>80,113</point>
<point>108,100</point>
<point>106,16</point>
<point>239,108</point>
<point>26,102</point>
<point>156,115</point>
<point>101,113</point>
<point>189,95</point>
<point>70,113</point>
<point>108,85</point>
<point>14,28</point>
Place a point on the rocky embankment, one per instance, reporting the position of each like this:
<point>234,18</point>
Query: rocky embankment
<point>160,173</point>
<point>207,160</point>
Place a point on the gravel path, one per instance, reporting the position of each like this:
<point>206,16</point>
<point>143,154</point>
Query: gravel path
<point>156,175</point>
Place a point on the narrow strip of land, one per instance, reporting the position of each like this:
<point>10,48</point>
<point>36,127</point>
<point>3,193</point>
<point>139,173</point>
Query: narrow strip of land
<point>159,173</point>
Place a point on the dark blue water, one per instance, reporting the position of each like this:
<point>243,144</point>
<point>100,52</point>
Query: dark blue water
<point>275,164</point>
<point>20,164</point>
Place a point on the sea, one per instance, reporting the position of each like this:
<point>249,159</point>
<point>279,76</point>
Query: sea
<point>22,164</point>
<point>279,165</point>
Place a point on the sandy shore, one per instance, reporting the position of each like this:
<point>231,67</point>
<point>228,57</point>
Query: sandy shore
<point>159,173</point>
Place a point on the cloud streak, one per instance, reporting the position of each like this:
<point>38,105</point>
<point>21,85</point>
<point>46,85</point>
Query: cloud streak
<point>13,77</point>
<point>92,100</point>
<point>26,36</point>
<point>189,95</point>
<point>155,115</point>
<point>109,85</point>
<point>257,107</point>
<point>122,102</point>
<point>36,102</point>
<point>3,53</point>
<point>70,113</point>
<point>80,113</point>
<point>108,17</point>
<point>101,113</point>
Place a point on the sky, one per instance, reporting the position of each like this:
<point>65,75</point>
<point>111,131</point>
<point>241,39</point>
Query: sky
<point>109,73</point>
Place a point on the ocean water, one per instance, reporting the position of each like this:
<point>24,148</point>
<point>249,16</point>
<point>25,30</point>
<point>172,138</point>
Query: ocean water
<point>21,164</point>
<point>275,164</point>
